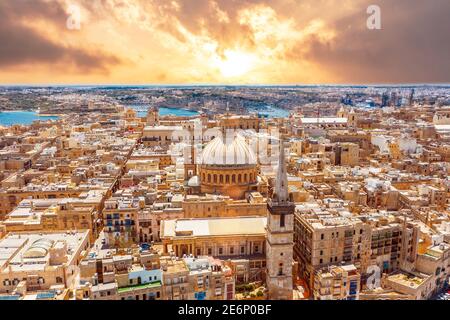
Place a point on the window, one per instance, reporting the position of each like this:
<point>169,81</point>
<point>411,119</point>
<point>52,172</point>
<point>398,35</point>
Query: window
<point>256,249</point>
<point>280,269</point>
<point>242,249</point>
<point>438,271</point>
<point>321,252</point>
<point>209,252</point>
<point>220,250</point>
<point>231,250</point>
<point>282,221</point>
<point>59,280</point>
<point>322,236</point>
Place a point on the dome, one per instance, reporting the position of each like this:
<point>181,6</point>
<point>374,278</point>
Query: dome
<point>39,248</point>
<point>234,151</point>
<point>194,181</point>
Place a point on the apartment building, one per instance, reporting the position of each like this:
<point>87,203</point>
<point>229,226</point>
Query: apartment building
<point>337,283</point>
<point>38,262</point>
<point>324,237</point>
<point>120,218</point>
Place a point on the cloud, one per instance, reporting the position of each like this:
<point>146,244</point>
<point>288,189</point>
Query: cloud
<point>275,41</point>
<point>24,45</point>
<point>413,45</point>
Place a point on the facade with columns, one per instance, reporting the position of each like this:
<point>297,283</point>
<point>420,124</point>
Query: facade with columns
<point>218,237</point>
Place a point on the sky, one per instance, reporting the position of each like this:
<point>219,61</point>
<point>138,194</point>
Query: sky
<point>223,42</point>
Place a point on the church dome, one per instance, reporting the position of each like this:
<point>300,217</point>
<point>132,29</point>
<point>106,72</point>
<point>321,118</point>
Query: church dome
<point>230,152</point>
<point>194,181</point>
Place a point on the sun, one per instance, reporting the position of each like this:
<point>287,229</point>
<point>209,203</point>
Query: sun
<point>235,63</point>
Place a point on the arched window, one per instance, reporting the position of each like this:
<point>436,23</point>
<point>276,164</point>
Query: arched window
<point>239,178</point>
<point>227,179</point>
<point>233,178</point>
<point>209,178</point>
<point>215,178</point>
<point>221,178</point>
<point>245,177</point>
<point>280,269</point>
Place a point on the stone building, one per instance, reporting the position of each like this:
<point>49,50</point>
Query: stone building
<point>279,239</point>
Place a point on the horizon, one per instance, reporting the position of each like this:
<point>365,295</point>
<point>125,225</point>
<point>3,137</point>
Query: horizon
<point>193,85</point>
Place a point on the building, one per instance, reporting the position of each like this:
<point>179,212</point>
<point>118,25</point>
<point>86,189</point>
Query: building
<point>337,283</point>
<point>209,279</point>
<point>106,275</point>
<point>414,284</point>
<point>333,236</point>
<point>120,217</point>
<point>41,262</point>
<point>279,240</point>
<point>218,237</point>
<point>228,167</point>
<point>221,206</point>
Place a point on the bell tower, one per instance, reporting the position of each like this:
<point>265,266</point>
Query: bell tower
<point>190,165</point>
<point>280,236</point>
<point>153,116</point>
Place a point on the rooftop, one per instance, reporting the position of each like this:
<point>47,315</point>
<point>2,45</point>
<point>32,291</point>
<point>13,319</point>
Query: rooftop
<point>214,227</point>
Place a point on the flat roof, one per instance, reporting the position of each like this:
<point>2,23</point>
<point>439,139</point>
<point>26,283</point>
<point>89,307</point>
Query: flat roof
<point>323,120</point>
<point>214,226</point>
<point>15,246</point>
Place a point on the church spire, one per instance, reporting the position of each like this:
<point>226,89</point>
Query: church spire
<point>281,187</point>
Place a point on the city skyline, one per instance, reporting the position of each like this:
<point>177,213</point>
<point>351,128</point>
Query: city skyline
<point>222,42</point>
<point>210,151</point>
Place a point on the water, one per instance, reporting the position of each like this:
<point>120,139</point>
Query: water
<point>9,118</point>
<point>271,112</point>
<point>263,111</point>
<point>169,112</point>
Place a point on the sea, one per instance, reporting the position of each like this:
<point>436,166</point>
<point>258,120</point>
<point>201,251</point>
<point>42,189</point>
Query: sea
<point>9,118</point>
<point>262,111</point>
<point>163,111</point>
